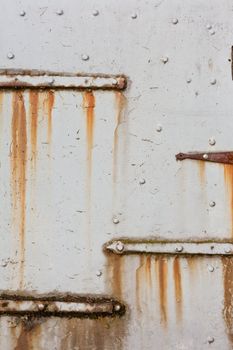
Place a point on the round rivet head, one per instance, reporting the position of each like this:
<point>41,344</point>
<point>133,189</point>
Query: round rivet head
<point>210,340</point>
<point>212,32</point>
<point>205,156</point>
<point>164,59</point>
<point>10,55</point>
<point>227,250</point>
<point>85,57</point>
<point>142,181</point>
<point>115,221</point>
<point>60,12</point>
<point>212,141</point>
<point>175,21</point>
<point>179,249</point>
<point>117,307</point>
<point>159,128</point>
<point>41,307</point>
<point>188,80</point>
<point>210,268</point>
<point>119,247</point>
<point>95,13</point>
<point>213,81</point>
<point>208,26</point>
<point>212,204</point>
<point>22,13</point>
<point>99,273</point>
<point>134,16</point>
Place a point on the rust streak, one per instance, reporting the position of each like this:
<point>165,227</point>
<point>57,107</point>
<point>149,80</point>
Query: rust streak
<point>228,296</point>
<point>162,275</point>
<point>139,282</point>
<point>18,165</point>
<point>89,105</point>
<point>115,269</point>
<point>33,98</point>
<point>178,288</point>
<point>228,176</point>
<point>148,271</point>
<point>202,173</point>
<point>48,108</point>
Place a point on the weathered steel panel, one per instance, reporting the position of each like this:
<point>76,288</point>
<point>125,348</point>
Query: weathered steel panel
<point>83,167</point>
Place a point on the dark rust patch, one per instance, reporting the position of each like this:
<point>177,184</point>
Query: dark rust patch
<point>178,288</point>
<point>18,171</point>
<point>162,279</point>
<point>228,295</point>
<point>228,176</point>
<point>48,108</point>
<point>34,104</point>
<point>29,335</point>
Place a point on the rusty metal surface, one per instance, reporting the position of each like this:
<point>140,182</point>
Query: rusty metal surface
<point>215,157</point>
<point>82,168</point>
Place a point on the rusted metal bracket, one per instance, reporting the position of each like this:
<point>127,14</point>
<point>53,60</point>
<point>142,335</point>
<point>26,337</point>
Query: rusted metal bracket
<point>63,306</point>
<point>169,247</point>
<point>17,78</point>
<point>216,157</point>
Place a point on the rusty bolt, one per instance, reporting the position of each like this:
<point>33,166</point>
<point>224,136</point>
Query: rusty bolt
<point>60,12</point>
<point>211,268</point>
<point>210,340</point>
<point>117,307</point>
<point>142,181</point>
<point>22,13</point>
<point>212,204</point>
<point>95,13</point>
<point>85,57</point>
<point>119,247</point>
<point>159,128</point>
<point>115,220</point>
<point>205,156</point>
<point>175,21</point>
<point>164,59</point>
<point>134,16</point>
<point>179,249</point>
<point>10,55</point>
<point>212,141</point>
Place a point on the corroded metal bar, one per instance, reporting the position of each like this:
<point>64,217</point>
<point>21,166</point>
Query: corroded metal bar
<point>76,307</point>
<point>173,248</point>
<point>216,157</point>
<point>42,79</point>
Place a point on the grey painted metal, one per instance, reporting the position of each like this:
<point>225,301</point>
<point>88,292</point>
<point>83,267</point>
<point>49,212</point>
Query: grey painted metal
<point>176,57</point>
<point>179,247</point>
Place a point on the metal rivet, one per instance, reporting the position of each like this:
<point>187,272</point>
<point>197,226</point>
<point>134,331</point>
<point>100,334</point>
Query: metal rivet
<point>85,57</point>
<point>134,16</point>
<point>208,26</point>
<point>213,81</point>
<point>22,13</point>
<point>227,250</point>
<point>60,12</point>
<point>95,13</point>
<point>142,181</point>
<point>159,128</point>
<point>41,307</point>
<point>164,59</point>
<point>51,81</point>
<point>210,340</point>
<point>179,249</point>
<point>115,221</point>
<point>212,141</point>
<point>114,82</point>
<point>117,307</point>
<point>212,204</point>
<point>99,273</point>
<point>211,268</point>
<point>212,32</point>
<point>205,156</point>
<point>119,246</point>
<point>175,20</point>
<point>10,55</point>
<point>188,80</point>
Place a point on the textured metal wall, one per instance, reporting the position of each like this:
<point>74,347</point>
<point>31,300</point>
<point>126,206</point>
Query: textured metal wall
<point>81,167</point>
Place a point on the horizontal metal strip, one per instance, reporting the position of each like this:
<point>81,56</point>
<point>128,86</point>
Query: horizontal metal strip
<point>166,247</point>
<point>61,307</point>
<point>42,79</point>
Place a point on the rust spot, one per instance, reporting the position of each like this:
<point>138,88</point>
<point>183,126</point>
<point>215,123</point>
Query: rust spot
<point>48,108</point>
<point>228,296</point>
<point>120,105</point>
<point>33,100</point>
<point>29,334</point>
<point>202,175</point>
<point>162,279</point>
<point>18,169</point>
<point>228,176</point>
<point>178,287</point>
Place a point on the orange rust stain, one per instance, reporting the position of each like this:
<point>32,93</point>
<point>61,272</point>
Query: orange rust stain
<point>228,176</point>
<point>33,100</point>
<point>178,288</point>
<point>202,174</point>
<point>120,105</point>
<point>18,168</point>
<point>148,271</point>
<point>89,105</point>
<point>139,282</point>
<point>162,277</point>
<point>191,261</point>
<point>115,271</point>
<point>228,296</point>
<point>48,108</point>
